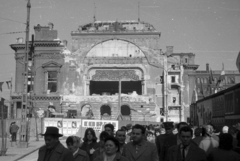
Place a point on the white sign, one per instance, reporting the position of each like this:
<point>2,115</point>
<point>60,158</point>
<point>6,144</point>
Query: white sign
<point>98,125</point>
<point>66,127</point>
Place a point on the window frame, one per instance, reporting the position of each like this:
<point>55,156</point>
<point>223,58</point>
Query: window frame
<point>47,81</point>
<point>173,77</point>
<point>51,67</point>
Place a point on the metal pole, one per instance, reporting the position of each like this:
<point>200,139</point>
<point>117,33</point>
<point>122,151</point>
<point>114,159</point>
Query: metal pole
<point>1,106</point>
<point>166,87</point>
<point>24,125</point>
<point>10,115</point>
<point>119,99</point>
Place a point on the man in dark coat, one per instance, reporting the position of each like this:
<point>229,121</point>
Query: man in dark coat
<point>121,137</point>
<point>140,149</point>
<point>186,150</point>
<point>168,126</point>
<point>53,150</point>
<point>171,141</point>
<point>13,131</point>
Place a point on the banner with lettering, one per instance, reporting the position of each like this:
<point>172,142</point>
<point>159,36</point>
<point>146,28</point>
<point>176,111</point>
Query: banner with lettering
<point>97,126</point>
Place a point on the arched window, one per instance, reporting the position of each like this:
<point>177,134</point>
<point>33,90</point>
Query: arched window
<point>198,90</point>
<point>86,111</point>
<point>229,80</point>
<point>198,80</point>
<point>125,110</point>
<point>205,80</point>
<point>105,112</point>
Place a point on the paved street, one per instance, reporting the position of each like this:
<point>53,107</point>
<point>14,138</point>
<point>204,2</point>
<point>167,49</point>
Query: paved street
<point>33,156</point>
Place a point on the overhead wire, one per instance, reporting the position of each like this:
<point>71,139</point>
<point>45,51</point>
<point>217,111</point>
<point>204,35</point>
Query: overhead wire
<point>12,20</point>
<point>17,32</point>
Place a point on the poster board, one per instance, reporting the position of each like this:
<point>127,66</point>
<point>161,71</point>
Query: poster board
<point>66,127</point>
<point>97,126</point>
<point>71,127</point>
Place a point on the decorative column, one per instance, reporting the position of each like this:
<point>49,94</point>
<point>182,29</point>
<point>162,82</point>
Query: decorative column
<point>181,109</point>
<point>87,88</point>
<point>143,87</point>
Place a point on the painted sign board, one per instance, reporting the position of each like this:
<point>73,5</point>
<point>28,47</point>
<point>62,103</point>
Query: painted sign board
<point>66,127</point>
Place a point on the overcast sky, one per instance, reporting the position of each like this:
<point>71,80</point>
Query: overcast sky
<point>208,28</point>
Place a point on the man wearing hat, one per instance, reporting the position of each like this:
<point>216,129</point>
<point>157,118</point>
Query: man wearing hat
<point>53,150</point>
<point>168,126</point>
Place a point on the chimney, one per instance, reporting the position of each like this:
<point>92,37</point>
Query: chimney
<point>207,67</point>
<point>169,50</point>
<point>65,43</point>
<point>20,40</point>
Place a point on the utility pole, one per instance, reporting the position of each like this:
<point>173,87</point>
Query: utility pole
<point>2,125</point>
<point>23,143</point>
<point>31,53</point>
<point>119,99</point>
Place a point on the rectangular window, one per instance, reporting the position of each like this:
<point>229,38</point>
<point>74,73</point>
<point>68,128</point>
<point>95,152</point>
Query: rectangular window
<point>173,79</point>
<point>52,81</point>
<point>174,100</point>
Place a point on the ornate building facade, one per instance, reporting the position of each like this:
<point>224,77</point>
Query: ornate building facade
<point>113,71</point>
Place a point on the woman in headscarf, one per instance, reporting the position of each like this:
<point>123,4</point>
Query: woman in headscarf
<point>111,151</point>
<point>73,144</point>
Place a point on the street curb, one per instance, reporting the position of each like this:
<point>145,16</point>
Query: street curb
<point>27,154</point>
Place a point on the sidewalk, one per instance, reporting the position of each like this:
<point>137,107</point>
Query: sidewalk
<point>15,153</point>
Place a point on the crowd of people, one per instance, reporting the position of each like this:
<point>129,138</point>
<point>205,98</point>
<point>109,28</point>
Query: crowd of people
<point>145,143</point>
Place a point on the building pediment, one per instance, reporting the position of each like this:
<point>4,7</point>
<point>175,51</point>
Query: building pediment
<point>51,66</point>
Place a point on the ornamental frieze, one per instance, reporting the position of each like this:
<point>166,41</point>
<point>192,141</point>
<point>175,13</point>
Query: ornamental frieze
<point>105,99</point>
<point>49,56</point>
<point>116,75</point>
<point>119,60</point>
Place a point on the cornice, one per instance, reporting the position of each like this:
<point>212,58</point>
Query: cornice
<point>17,47</point>
<point>190,66</point>
<point>76,33</point>
<point>49,56</point>
<point>38,98</point>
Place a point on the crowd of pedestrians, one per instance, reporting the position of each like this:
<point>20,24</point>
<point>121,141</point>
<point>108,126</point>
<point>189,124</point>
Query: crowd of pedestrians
<point>145,143</point>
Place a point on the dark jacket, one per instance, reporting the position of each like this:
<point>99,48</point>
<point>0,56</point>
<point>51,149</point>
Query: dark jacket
<point>14,128</point>
<point>118,157</point>
<point>223,155</point>
<point>194,154</point>
<point>59,153</point>
<point>159,142</point>
<point>81,156</point>
<point>147,152</point>
<point>168,142</point>
<point>87,147</point>
<point>97,153</point>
